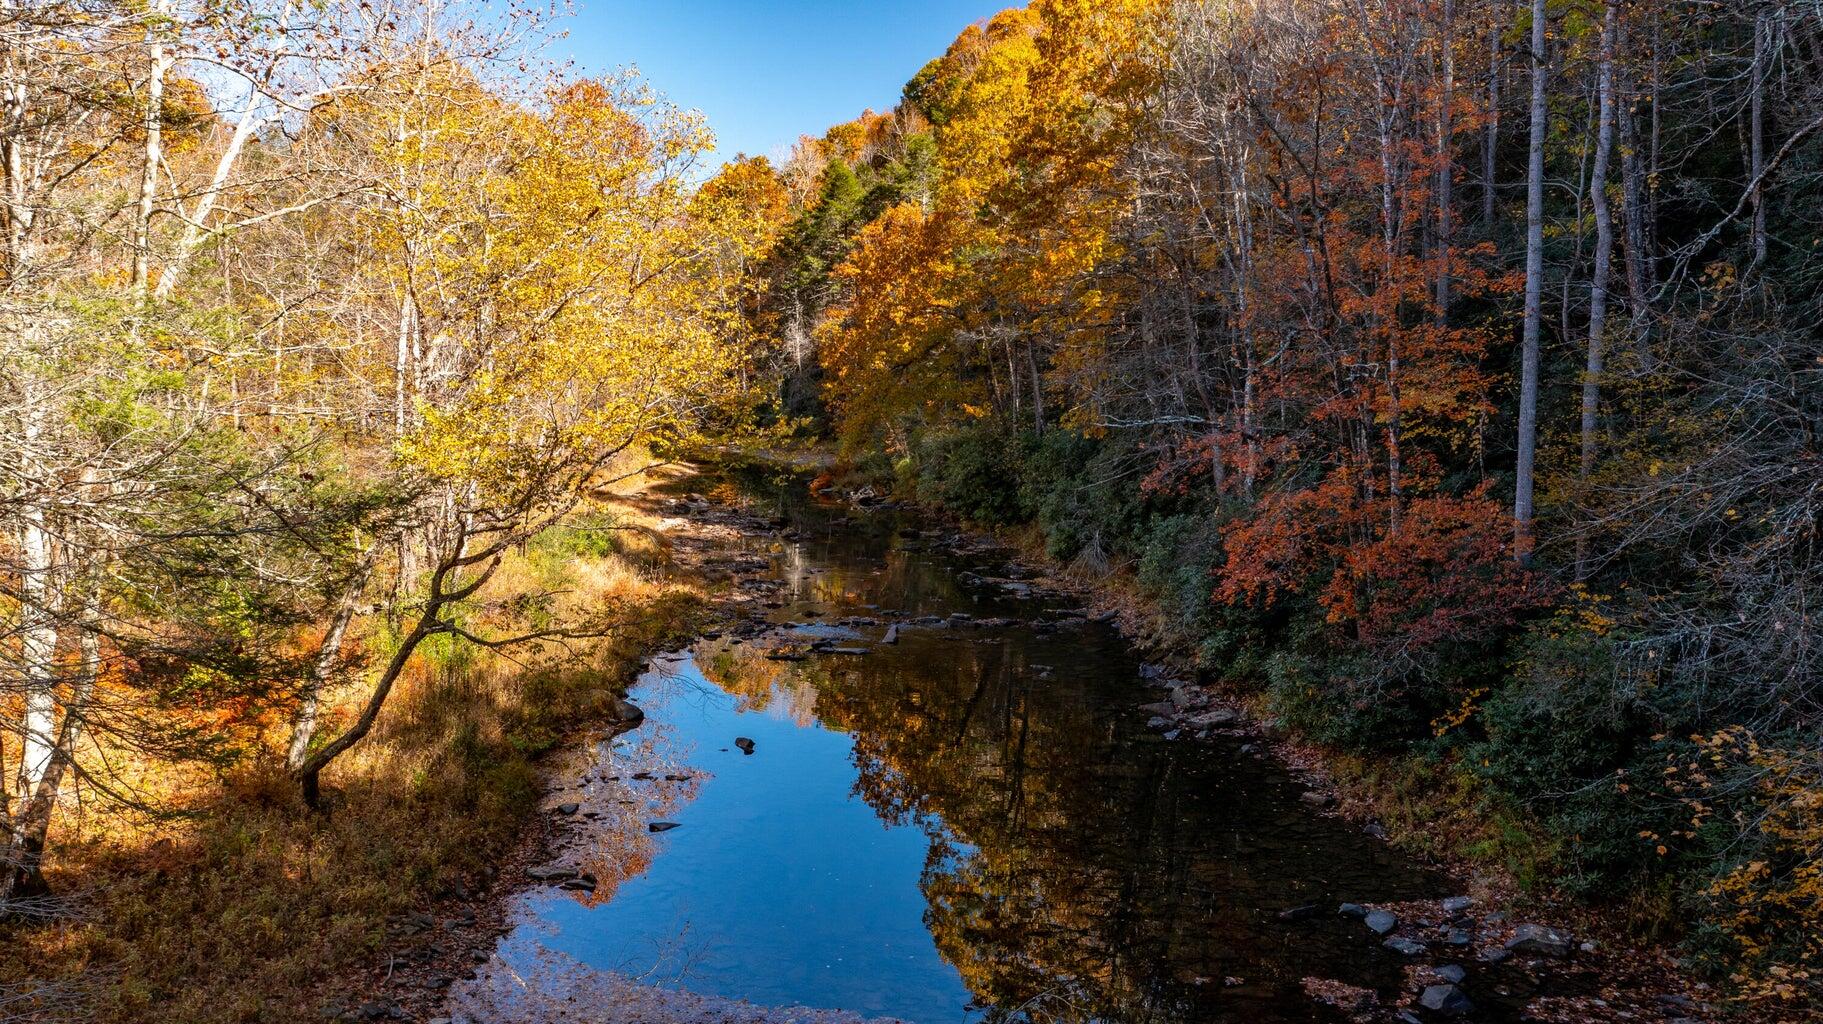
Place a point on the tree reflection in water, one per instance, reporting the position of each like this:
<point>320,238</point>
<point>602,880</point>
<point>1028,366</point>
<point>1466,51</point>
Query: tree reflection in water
<point>1080,867</point>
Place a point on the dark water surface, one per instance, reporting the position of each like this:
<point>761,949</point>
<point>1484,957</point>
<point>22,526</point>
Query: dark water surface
<point>974,823</point>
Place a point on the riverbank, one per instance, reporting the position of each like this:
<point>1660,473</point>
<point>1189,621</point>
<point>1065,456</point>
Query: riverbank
<point>234,903</point>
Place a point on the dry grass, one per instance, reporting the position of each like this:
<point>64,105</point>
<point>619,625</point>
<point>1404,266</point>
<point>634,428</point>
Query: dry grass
<point>252,909</point>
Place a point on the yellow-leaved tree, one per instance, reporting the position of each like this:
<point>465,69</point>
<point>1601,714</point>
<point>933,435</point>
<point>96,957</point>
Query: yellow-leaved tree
<point>568,301</point>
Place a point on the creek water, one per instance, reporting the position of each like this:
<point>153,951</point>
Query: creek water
<point>972,823</point>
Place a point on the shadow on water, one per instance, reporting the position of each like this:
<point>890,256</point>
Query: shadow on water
<point>970,824</point>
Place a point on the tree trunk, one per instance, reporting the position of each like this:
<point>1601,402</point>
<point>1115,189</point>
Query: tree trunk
<point>1534,298</point>
<point>1490,139</point>
<point>153,126</point>
<point>322,667</point>
<point>1604,249</point>
<point>1756,142</point>
<point>1446,164</point>
<point>23,864</point>
<point>39,605</point>
<point>428,624</point>
<point>1635,218</point>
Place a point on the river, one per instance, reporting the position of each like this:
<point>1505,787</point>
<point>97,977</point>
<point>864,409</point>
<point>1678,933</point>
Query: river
<point>974,822</point>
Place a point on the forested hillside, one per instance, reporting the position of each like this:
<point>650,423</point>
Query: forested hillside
<point>1446,372</point>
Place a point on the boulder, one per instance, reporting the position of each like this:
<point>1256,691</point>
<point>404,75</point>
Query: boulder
<point>1381,921</point>
<point>1402,945</point>
<point>624,712</point>
<point>1457,904</point>
<point>1452,973</point>
<point>550,873</point>
<point>1446,999</point>
<point>1539,940</point>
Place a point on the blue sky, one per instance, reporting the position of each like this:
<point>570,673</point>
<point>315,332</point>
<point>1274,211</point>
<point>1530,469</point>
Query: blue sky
<point>767,71</point>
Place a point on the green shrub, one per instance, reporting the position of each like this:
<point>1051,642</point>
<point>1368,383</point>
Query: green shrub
<point>973,472</point>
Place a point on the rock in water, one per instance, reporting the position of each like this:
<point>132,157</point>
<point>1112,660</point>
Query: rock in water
<point>744,743</point>
<point>1381,921</point>
<point>1538,940</point>
<point>625,713</point>
<point>1446,999</point>
<point>660,826</point>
